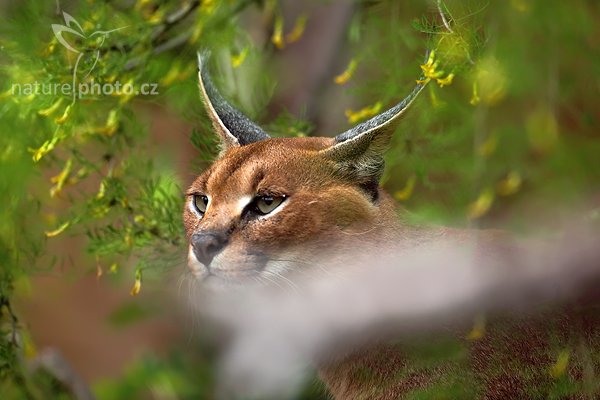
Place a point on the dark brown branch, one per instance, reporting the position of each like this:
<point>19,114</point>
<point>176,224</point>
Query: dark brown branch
<point>5,302</point>
<point>173,18</point>
<point>182,38</point>
<point>171,44</point>
<point>169,22</point>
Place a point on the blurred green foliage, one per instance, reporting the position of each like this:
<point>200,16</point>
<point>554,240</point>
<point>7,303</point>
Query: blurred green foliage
<point>508,125</point>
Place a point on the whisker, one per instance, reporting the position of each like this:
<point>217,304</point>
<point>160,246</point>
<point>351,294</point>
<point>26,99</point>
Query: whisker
<point>292,285</point>
<point>276,278</point>
<point>274,281</point>
<point>182,278</point>
<point>311,264</point>
<point>191,286</point>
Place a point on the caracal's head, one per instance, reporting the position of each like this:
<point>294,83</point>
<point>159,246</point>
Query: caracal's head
<point>271,206</point>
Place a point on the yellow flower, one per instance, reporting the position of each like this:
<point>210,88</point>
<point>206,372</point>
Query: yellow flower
<point>430,71</point>
<point>430,67</point>
<point>364,113</point>
<point>101,191</point>
<point>445,81</point>
<point>140,4</point>
<point>488,147</point>
<point>47,111</point>
<point>58,230</point>
<point>277,38</point>
<point>44,149</point>
<point>63,118</point>
<point>50,48</point>
<point>171,75</point>
<point>156,17</point>
<point>128,238</point>
<point>481,205</point>
<point>237,60</point>
<point>61,179</point>
<point>208,7</point>
<point>347,74</point>
<point>297,31</point>
<point>124,95</point>
<point>408,189</point>
<point>475,99</point>
<point>112,123</point>
<point>509,185</point>
<point>137,286</point>
<point>197,32</point>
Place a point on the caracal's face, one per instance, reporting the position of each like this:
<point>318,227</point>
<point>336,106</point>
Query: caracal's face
<point>270,207</point>
<point>267,208</point>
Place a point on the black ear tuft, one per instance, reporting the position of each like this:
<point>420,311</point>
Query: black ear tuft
<point>231,125</point>
<point>359,151</point>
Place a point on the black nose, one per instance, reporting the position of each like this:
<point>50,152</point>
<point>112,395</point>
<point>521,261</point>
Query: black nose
<point>207,245</point>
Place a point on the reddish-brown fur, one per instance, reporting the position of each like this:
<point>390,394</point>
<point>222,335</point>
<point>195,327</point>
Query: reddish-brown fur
<point>324,206</point>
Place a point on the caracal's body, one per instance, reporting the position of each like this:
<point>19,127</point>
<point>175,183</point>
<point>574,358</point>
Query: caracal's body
<point>275,207</point>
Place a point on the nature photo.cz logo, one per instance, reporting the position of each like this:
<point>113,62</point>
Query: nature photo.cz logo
<point>86,58</point>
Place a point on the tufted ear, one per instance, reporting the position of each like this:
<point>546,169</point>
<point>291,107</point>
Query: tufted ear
<point>359,151</point>
<point>233,128</point>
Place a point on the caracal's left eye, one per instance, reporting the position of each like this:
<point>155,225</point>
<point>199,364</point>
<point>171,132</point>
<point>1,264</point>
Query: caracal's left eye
<point>266,204</point>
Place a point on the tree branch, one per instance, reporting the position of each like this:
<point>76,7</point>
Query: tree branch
<point>56,365</point>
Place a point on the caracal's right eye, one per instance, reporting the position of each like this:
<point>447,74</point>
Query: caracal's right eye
<point>200,203</point>
<point>266,204</point>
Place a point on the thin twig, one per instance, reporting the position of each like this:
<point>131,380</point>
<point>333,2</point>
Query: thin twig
<point>180,39</point>
<point>169,22</point>
<point>171,44</point>
<point>443,15</point>
<point>173,18</point>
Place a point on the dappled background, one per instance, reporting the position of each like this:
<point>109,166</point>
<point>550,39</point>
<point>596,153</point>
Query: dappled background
<point>506,135</point>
